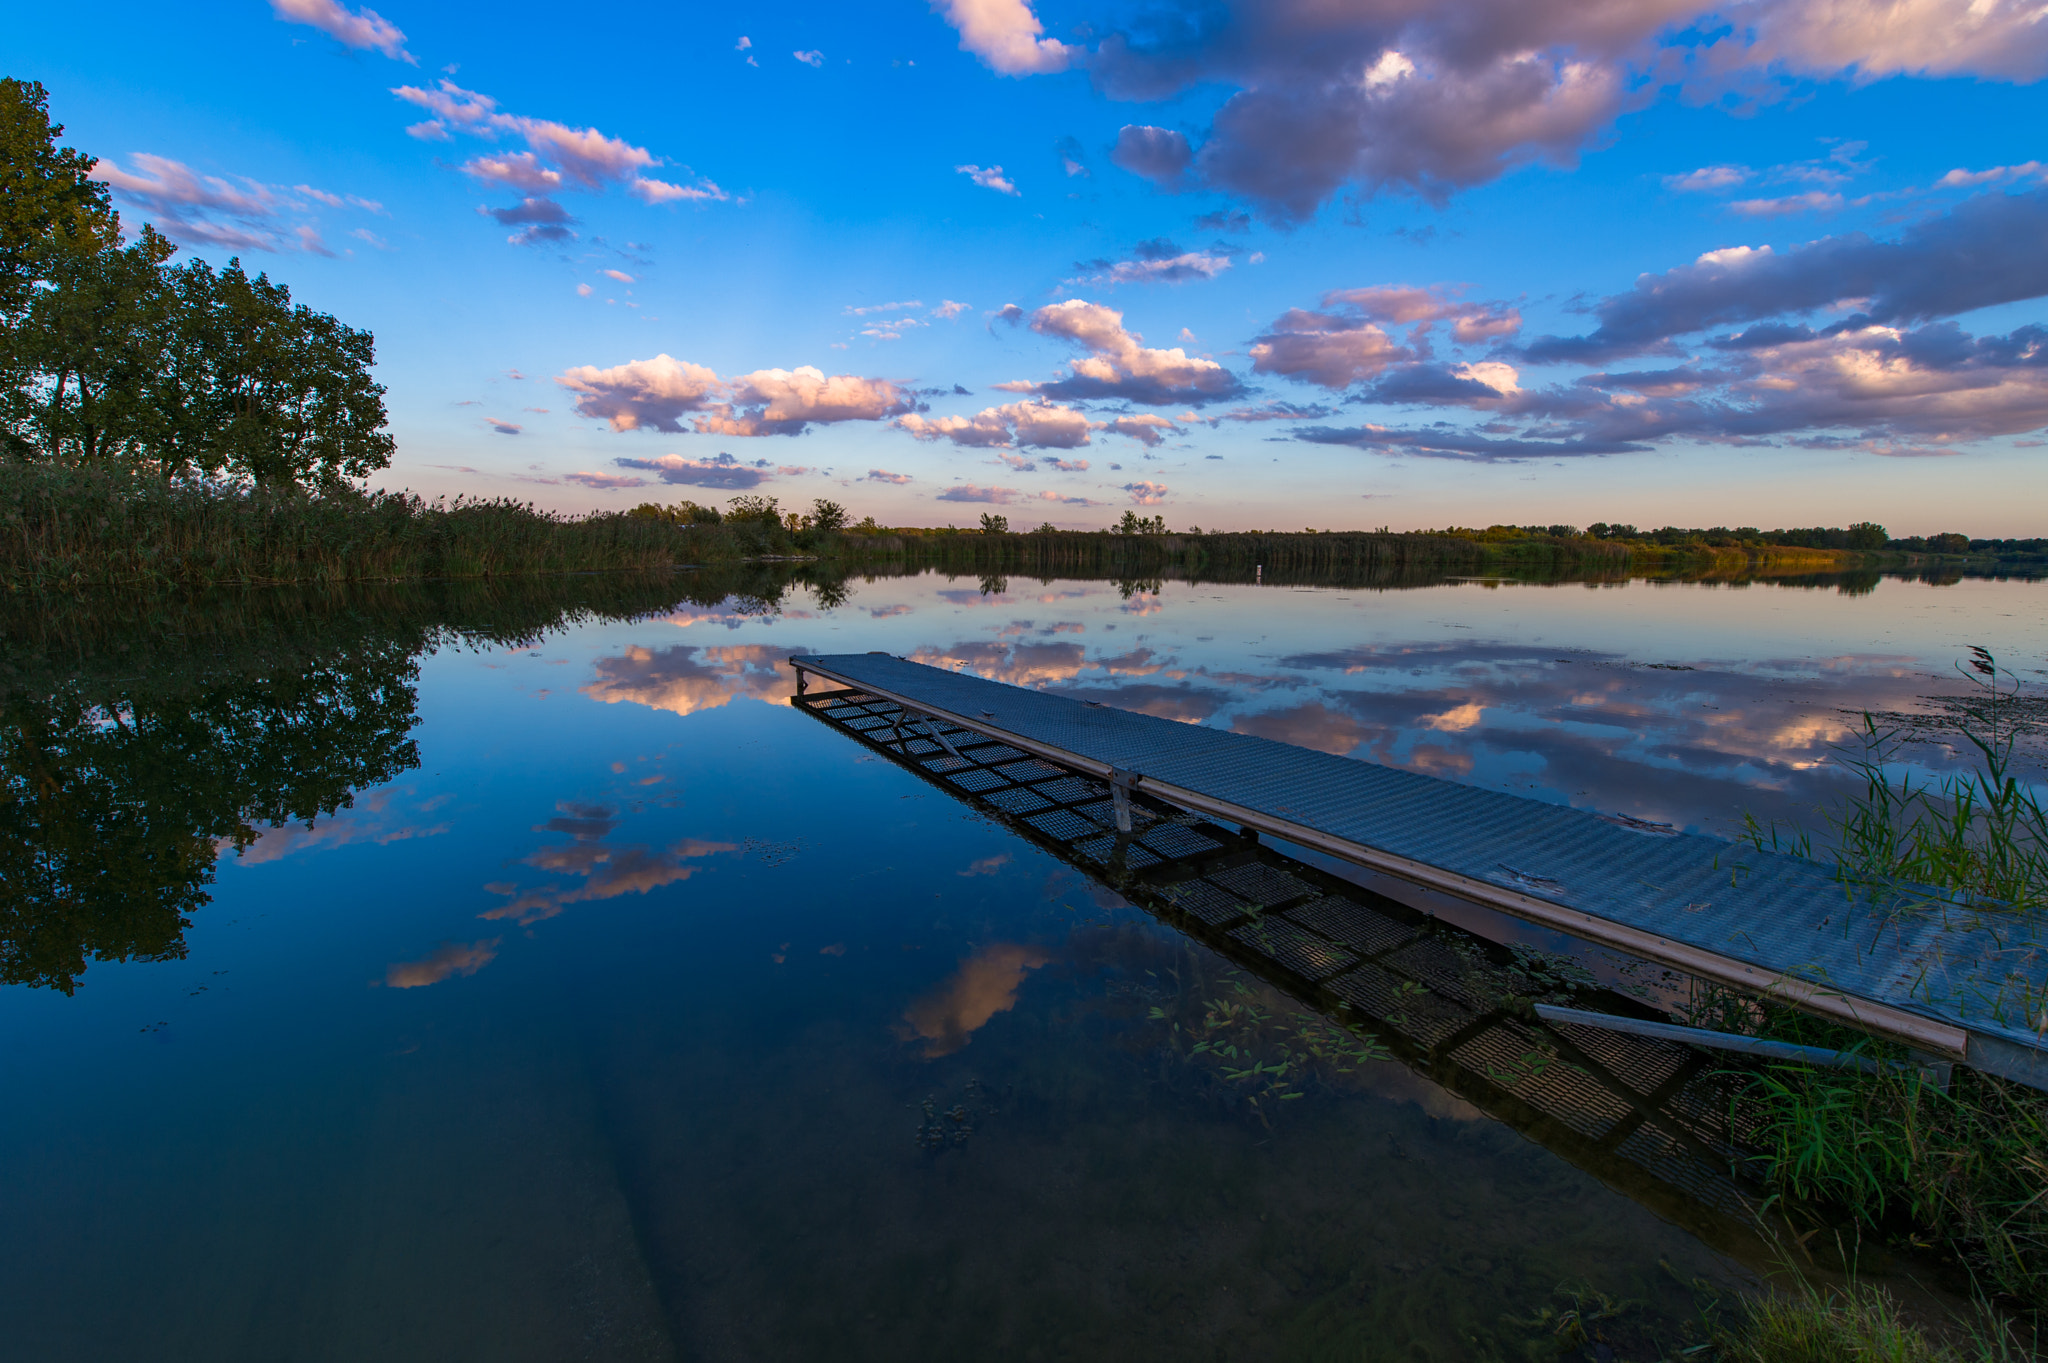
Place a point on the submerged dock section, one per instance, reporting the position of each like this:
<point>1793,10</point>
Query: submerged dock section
<point>1953,981</point>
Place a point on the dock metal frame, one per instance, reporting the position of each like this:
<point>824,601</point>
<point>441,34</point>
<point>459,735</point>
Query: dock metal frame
<point>1657,1120</point>
<point>1933,1038</point>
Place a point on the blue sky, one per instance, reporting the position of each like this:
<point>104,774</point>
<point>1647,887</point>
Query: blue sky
<point>1276,265</point>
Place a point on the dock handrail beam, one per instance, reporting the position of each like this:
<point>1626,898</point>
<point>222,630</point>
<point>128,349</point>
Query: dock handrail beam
<point>1932,1035</point>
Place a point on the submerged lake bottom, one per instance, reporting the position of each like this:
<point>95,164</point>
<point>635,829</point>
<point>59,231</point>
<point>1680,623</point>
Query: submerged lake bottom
<point>520,975</point>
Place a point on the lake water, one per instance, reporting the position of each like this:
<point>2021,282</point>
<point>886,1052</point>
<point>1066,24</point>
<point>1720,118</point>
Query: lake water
<point>607,1006</point>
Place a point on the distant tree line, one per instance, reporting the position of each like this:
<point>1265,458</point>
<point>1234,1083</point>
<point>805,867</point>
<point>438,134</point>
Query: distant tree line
<point>109,354</point>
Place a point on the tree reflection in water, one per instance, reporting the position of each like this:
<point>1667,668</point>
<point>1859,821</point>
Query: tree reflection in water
<point>142,738</point>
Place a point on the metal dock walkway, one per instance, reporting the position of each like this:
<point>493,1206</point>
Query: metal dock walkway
<point>1938,976</point>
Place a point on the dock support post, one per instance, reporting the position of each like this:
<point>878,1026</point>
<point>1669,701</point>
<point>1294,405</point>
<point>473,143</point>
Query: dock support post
<point>931,726</point>
<point>1120,783</point>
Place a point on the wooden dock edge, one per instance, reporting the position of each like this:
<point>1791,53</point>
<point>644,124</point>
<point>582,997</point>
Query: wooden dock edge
<point>1945,1040</point>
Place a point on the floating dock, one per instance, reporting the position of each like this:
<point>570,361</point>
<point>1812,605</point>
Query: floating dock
<point>1952,981</point>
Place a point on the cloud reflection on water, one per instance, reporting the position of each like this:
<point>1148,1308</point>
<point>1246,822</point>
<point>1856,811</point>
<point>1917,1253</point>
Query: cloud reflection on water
<point>1691,744</point>
<point>985,984</point>
<point>447,960</point>
<point>685,679</point>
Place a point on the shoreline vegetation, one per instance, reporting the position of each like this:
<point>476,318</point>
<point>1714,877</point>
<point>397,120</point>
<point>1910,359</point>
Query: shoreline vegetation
<point>100,524</point>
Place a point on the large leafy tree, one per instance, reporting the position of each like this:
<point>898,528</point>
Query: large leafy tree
<point>107,354</point>
<point>285,392</point>
<point>47,200</point>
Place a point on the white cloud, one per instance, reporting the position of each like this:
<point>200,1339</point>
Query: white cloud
<point>207,210</point>
<point>812,59</point>
<point>1145,427</point>
<point>558,156</point>
<point>948,309</point>
<point>1119,365</point>
<point>1005,35</point>
<point>359,29</point>
<point>988,177</point>
<point>1813,201</point>
<point>1174,269</point>
<point>1708,179</point>
<point>642,394</point>
<point>1966,179</point>
<point>1041,424</point>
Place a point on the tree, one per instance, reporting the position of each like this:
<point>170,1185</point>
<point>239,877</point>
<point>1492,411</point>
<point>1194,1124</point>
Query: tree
<point>47,200</point>
<point>84,355</point>
<point>106,354</point>
<point>282,395</point>
<point>827,515</point>
<point>992,524</point>
<point>749,508</point>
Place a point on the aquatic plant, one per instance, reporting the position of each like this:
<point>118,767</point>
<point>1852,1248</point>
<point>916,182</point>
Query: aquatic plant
<point>1980,836</point>
<point>1858,1323</point>
<point>1264,1051</point>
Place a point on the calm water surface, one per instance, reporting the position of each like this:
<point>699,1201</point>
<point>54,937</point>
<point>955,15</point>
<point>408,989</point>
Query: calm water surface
<point>621,1013</point>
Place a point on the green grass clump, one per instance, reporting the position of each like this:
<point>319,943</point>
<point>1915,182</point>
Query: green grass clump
<point>1858,1323</point>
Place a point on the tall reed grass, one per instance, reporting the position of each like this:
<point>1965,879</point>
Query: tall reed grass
<point>95,527</point>
<point>1965,1168</point>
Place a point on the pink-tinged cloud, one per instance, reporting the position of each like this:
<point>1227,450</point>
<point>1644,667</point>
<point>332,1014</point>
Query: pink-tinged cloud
<point>655,394</point>
<point>948,309</point>
<point>1007,36</point>
<point>358,29</point>
<point>988,177</point>
<point>1968,179</point>
<point>723,471</point>
<point>1044,425</point>
<point>604,482</point>
<point>520,170</point>
<point>207,210</point>
<point>558,155</point>
<point>662,192</point>
<point>813,59</point>
<point>502,426</point>
<point>883,476</point>
<point>1160,269</point>
<point>1119,365</point>
<point>1708,179</point>
<point>785,401</point>
<point>642,394</point>
<point>1147,494</point>
<point>1813,201</point>
<point>1146,427</point>
<point>449,960</point>
<point>968,492</point>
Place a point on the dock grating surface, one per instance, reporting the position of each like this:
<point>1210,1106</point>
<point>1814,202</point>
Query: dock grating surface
<point>1962,968</point>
